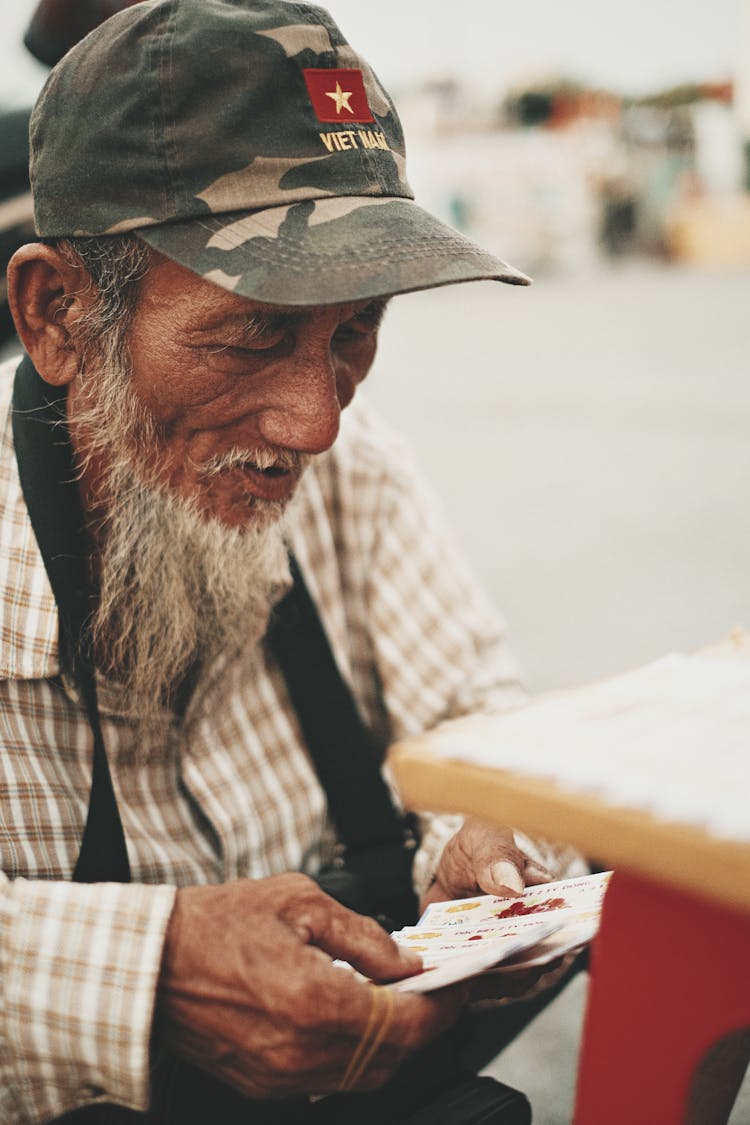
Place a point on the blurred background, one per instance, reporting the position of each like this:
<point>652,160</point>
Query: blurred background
<point>588,436</point>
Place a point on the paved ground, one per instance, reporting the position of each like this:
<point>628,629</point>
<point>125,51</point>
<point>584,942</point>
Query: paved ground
<point>590,441</point>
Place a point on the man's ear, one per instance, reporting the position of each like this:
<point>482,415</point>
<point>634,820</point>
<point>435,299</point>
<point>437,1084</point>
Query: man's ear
<point>47,295</point>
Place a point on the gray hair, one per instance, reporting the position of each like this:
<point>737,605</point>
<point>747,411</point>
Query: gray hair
<point>116,264</point>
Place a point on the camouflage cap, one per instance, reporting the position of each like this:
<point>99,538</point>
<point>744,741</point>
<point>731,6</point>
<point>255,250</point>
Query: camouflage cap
<point>247,141</point>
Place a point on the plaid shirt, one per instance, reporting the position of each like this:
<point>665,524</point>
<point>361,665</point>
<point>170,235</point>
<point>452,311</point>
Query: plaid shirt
<point>412,634</point>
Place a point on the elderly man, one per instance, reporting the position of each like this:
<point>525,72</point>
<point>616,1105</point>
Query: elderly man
<point>222,208</point>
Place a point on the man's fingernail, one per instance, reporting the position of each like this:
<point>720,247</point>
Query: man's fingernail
<point>506,874</point>
<point>411,959</point>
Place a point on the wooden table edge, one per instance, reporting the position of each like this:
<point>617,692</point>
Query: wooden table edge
<point>614,836</point>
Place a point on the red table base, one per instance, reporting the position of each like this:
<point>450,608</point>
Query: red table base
<point>670,976</point>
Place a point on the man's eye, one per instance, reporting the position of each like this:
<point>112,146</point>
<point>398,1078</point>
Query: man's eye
<point>364,323</point>
<point>257,340</point>
<point>260,343</point>
<point>263,338</point>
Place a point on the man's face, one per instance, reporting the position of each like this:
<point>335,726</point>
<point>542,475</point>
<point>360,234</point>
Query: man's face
<point>241,393</point>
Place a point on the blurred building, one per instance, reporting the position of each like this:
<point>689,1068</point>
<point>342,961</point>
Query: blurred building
<point>560,176</point>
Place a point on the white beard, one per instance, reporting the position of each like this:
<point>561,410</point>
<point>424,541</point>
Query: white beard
<point>178,591</point>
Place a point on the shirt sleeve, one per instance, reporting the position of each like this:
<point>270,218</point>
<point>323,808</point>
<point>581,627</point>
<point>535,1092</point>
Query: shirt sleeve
<point>79,965</point>
<point>441,646</point>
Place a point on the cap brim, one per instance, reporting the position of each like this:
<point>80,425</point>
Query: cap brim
<point>327,251</point>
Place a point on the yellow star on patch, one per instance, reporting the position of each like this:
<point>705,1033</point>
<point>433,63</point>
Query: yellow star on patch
<point>341,98</point>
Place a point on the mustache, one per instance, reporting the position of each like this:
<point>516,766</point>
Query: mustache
<point>265,459</point>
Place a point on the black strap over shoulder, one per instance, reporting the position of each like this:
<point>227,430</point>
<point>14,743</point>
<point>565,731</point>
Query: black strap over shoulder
<point>379,840</point>
<point>50,489</point>
<point>343,750</point>
<point>345,753</point>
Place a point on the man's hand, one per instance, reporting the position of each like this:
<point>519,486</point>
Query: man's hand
<point>248,992</point>
<point>482,859</point>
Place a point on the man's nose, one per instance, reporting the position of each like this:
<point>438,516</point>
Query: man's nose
<point>305,412</point>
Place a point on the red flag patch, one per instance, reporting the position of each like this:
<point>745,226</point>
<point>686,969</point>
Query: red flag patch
<point>338,95</point>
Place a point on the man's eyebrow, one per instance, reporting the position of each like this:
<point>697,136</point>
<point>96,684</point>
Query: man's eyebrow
<point>267,318</point>
<point>243,323</point>
<point>274,316</point>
